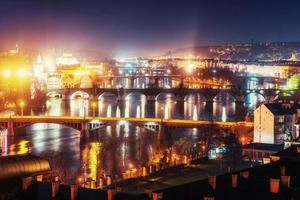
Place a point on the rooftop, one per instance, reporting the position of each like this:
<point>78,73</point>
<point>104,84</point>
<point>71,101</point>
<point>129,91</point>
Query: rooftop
<point>264,146</point>
<point>22,165</point>
<point>280,109</point>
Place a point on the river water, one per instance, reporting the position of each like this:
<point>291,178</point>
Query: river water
<point>114,149</point>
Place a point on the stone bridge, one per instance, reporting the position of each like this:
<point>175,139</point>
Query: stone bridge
<point>85,124</point>
<point>180,93</point>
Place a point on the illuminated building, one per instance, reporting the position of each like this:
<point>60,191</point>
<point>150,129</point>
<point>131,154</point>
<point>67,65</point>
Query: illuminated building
<point>15,65</point>
<point>293,82</point>
<point>66,60</point>
<point>273,123</point>
<point>69,70</point>
<point>53,82</point>
<point>38,69</point>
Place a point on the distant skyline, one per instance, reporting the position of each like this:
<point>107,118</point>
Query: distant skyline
<point>150,27</point>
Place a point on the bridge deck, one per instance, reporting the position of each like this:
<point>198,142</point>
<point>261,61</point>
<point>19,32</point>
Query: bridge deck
<point>113,120</point>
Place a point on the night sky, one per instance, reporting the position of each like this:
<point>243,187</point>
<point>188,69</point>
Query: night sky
<point>144,26</point>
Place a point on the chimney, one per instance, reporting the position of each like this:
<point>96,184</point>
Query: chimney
<point>26,181</point>
<point>149,192</point>
<point>212,180</point>
<point>234,179</point>
<point>39,178</point>
<point>274,185</point>
<point>208,198</point>
<point>73,192</point>
<point>285,180</point>
<point>244,174</point>
<point>298,149</point>
<point>157,196</point>
<point>54,188</point>
<point>282,170</point>
<point>111,192</point>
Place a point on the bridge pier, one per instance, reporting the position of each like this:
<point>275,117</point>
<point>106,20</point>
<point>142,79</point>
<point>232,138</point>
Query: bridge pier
<point>180,105</point>
<point>240,110</point>
<point>209,104</point>
<point>84,132</point>
<point>66,106</point>
<point>130,82</point>
<point>10,128</point>
<point>161,135</point>
<point>150,105</point>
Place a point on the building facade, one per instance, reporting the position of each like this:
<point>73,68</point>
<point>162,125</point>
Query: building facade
<point>274,123</point>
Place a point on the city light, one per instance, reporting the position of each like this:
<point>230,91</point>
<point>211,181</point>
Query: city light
<point>192,110</point>
<point>6,73</point>
<point>190,68</point>
<point>22,104</point>
<point>21,73</point>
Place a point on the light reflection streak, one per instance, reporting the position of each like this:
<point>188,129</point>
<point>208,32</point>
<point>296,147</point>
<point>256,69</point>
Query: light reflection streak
<point>118,112</point>
<point>195,114</point>
<point>108,111</point>
<point>127,108</point>
<point>3,142</point>
<point>138,112</point>
<point>224,115</point>
<point>94,155</point>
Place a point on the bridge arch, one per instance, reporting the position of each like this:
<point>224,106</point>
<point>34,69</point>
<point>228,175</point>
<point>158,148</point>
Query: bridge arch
<point>80,94</point>
<point>107,95</point>
<point>86,82</point>
<point>78,126</point>
<point>194,97</point>
<point>253,97</point>
<point>135,96</point>
<point>224,95</point>
<point>54,94</point>
<point>165,97</point>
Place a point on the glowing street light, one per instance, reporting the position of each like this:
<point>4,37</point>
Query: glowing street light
<point>243,140</point>
<point>22,104</point>
<point>189,68</point>
<point>21,73</point>
<point>7,73</point>
<point>94,105</point>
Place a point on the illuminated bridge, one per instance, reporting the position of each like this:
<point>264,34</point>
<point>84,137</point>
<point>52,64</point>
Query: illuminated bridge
<point>85,124</point>
<point>180,93</point>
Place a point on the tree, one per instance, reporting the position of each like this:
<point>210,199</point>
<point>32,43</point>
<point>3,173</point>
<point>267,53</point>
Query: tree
<point>182,145</point>
<point>233,154</point>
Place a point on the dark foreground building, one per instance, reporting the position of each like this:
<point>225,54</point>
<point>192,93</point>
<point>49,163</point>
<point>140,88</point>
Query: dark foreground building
<point>16,172</point>
<point>277,180</point>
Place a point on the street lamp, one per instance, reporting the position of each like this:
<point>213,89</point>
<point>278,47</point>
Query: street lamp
<point>162,112</point>
<point>22,104</point>
<point>94,104</point>
<point>243,140</point>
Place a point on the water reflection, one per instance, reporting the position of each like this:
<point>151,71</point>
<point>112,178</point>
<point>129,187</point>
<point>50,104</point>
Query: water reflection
<point>194,107</point>
<point>112,150</point>
<point>165,105</point>
<point>224,107</point>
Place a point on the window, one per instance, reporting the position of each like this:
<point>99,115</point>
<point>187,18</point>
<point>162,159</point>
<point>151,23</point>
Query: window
<point>259,154</point>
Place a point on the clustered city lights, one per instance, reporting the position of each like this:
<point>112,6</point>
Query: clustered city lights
<point>20,73</point>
